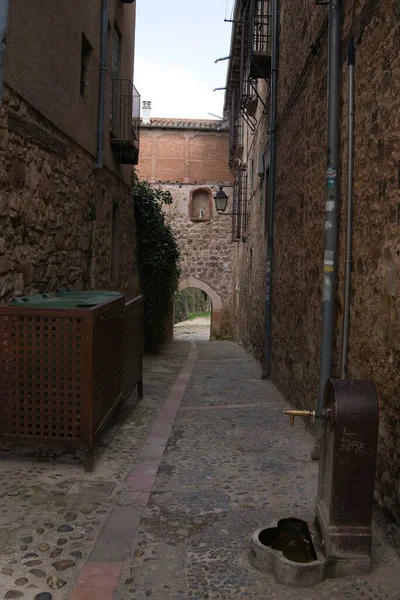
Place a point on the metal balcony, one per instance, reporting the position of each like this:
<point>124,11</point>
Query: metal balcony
<point>125,121</point>
<point>261,36</point>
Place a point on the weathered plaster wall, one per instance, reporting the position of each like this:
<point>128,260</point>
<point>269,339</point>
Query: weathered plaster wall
<point>183,161</point>
<point>299,225</point>
<point>56,211</point>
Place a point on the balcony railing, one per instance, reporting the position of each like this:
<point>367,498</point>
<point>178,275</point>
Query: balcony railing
<point>261,36</point>
<point>125,121</point>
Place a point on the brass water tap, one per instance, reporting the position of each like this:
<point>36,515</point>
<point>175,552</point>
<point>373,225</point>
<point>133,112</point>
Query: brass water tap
<point>315,414</point>
<point>298,413</point>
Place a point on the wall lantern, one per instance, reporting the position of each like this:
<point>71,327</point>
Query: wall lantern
<point>221,201</point>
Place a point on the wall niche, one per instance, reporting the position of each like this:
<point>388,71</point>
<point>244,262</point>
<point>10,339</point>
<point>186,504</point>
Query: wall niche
<point>200,208</point>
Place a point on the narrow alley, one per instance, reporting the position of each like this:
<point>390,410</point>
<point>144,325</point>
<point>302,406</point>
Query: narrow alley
<point>199,300</point>
<point>181,481</point>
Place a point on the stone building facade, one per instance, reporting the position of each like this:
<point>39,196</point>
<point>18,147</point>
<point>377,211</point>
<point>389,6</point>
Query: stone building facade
<point>190,159</point>
<point>374,351</point>
<point>65,220</point>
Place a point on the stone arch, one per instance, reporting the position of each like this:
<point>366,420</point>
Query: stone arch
<point>216,301</point>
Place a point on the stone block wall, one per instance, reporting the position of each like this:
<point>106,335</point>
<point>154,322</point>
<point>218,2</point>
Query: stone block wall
<point>374,351</point>
<point>56,211</point>
<point>206,250</point>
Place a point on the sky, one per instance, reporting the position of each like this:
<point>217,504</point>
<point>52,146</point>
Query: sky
<point>177,42</point>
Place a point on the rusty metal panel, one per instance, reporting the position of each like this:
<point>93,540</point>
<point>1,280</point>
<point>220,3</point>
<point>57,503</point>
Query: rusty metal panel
<point>133,344</point>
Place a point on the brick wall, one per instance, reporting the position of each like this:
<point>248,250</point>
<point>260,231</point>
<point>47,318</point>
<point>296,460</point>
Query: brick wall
<point>190,163</point>
<point>184,156</point>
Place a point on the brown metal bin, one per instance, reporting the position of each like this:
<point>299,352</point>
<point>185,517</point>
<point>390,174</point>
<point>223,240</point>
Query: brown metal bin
<point>62,371</point>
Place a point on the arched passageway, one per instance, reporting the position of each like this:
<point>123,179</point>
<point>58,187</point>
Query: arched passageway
<point>192,315</point>
<point>216,302</point>
<point>216,305</point>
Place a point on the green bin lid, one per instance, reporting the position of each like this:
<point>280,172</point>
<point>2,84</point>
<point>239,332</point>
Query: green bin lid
<point>72,292</point>
<point>57,303</point>
<point>21,300</point>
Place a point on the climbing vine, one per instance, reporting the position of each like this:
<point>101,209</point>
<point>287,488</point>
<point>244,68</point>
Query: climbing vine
<point>158,260</point>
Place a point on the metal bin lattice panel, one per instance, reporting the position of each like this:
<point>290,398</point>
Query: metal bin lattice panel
<point>63,371</point>
<point>42,377</point>
<point>107,361</point>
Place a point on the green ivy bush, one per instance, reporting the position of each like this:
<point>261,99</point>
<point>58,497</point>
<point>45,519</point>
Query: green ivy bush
<point>158,260</point>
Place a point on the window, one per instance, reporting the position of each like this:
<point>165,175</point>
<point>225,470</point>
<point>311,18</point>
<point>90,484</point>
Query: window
<point>86,52</point>
<point>115,244</point>
<point>266,196</point>
<point>250,282</point>
<point>251,176</point>
<point>115,53</point>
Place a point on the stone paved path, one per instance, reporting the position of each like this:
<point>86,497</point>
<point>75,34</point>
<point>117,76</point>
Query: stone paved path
<point>193,330</point>
<point>203,461</point>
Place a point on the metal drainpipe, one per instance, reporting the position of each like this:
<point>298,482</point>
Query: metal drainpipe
<point>102,85</point>
<point>272,189</point>
<point>331,208</point>
<point>4,6</point>
<point>349,233</point>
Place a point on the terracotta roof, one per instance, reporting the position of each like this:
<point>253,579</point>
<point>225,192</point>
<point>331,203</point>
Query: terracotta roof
<point>188,124</point>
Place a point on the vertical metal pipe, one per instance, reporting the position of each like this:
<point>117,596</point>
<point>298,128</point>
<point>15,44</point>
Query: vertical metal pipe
<point>272,188</point>
<point>102,84</point>
<point>331,208</point>
<point>349,232</point>
<point>4,9</point>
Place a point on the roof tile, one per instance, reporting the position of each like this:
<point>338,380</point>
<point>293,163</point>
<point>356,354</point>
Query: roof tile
<point>188,123</point>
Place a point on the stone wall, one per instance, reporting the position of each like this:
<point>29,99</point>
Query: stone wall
<point>300,211</point>
<point>56,211</point>
<point>206,251</point>
<point>300,224</point>
<point>250,254</point>
<point>190,162</point>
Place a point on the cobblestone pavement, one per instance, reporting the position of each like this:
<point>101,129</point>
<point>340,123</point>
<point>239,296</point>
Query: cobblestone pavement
<point>52,512</point>
<point>193,330</point>
<point>231,465</point>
